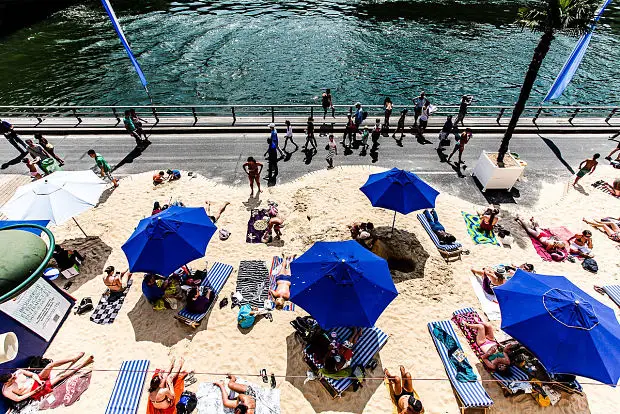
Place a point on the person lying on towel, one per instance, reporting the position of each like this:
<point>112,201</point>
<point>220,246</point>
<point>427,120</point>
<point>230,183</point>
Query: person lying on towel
<point>245,403</point>
<point>498,275</point>
<point>165,389</point>
<point>24,384</point>
<point>282,293</point>
<point>495,356</point>
<point>404,395</point>
<point>556,247</point>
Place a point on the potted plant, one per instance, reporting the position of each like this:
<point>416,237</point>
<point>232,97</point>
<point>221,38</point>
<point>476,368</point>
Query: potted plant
<point>494,177</point>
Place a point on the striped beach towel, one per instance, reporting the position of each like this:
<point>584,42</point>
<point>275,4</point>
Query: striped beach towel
<point>129,383</point>
<point>276,263</point>
<point>604,187</point>
<point>471,394</point>
<point>472,222</point>
<point>253,282</point>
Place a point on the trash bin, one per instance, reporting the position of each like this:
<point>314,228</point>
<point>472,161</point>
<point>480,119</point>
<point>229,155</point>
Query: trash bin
<point>49,165</point>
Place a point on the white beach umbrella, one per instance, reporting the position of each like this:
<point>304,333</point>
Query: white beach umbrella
<point>57,197</point>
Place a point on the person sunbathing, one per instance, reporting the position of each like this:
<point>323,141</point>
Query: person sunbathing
<point>404,395</point>
<point>275,223</point>
<point>161,391</point>
<point>489,219</point>
<point>612,229</point>
<point>245,403</point>
<point>217,216</point>
<point>199,300</point>
<point>282,293</point>
<point>581,244</point>
<point>553,244</point>
<point>498,275</point>
<point>438,228</point>
<point>494,357</point>
<point>116,282</point>
<point>24,384</point>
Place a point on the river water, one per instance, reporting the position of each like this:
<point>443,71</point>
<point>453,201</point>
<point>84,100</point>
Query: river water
<point>279,52</point>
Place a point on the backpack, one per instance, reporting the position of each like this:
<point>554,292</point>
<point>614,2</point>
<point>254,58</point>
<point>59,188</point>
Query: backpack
<point>187,403</point>
<point>590,265</point>
<point>244,319</point>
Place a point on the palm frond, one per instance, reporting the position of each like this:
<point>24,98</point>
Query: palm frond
<point>570,16</point>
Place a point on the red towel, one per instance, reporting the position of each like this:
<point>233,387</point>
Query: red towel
<point>540,249</point>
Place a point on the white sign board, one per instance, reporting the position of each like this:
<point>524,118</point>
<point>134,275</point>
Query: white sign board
<point>40,308</point>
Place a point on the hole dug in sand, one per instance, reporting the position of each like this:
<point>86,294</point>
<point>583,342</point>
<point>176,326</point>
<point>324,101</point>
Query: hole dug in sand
<point>405,255</point>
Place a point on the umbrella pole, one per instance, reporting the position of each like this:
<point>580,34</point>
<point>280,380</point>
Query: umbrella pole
<point>81,229</point>
<point>393,223</point>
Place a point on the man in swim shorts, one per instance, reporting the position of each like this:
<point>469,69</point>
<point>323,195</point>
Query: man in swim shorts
<point>586,167</point>
<point>581,244</point>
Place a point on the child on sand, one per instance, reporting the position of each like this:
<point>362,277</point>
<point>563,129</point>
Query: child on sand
<point>586,166</point>
<point>32,167</point>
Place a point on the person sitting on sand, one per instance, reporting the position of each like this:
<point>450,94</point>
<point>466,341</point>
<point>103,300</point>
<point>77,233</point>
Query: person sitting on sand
<point>116,282</point>
<point>152,290</point>
<point>217,216</point>
<point>553,244</point>
<point>199,300</point>
<point>438,228</point>
<point>24,384</point>
<point>282,293</point>
<point>275,223</point>
<point>404,394</point>
<point>340,356</point>
<point>495,356</point>
<point>156,208</point>
<point>611,228</point>
<point>489,219</point>
<point>245,403</point>
<point>173,175</point>
<point>159,178</point>
<point>166,388</point>
<point>581,244</point>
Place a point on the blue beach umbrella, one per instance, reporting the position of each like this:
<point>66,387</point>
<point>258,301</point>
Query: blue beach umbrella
<point>568,330</point>
<point>168,240</point>
<point>42,223</point>
<point>341,284</point>
<point>400,191</point>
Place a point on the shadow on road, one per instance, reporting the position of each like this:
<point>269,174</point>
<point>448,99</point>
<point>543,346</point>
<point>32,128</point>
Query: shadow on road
<point>556,151</point>
<point>135,153</point>
<point>14,161</point>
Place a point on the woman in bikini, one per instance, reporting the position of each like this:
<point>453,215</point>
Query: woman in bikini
<point>495,356</point>
<point>253,170</point>
<point>216,217</point>
<point>282,293</point>
<point>553,244</point>
<point>116,282</point>
<point>609,225</point>
<point>245,403</point>
<point>23,384</point>
<point>162,390</point>
<point>404,395</point>
<point>498,275</point>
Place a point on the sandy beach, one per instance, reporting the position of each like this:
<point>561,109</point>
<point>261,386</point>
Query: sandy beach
<point>318,207</point>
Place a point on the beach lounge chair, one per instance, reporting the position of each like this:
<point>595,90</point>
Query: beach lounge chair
<point>471,394</point>
<point>369,344</point>
<point>447,251</point>
<point>613,291</point>
<point>215,280</point>
<point>128,387</point>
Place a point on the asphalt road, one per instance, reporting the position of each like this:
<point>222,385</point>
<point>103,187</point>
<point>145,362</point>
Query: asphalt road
<point>220,157</point>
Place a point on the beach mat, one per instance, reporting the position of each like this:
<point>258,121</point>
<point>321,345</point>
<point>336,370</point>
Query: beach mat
<point>68,392</point>
<point>253,282</point>
<point>472,222</point>
<point>257,224</point>
<point>109,306</point>
<point>604,187</point>
<point>210,399</point>
<point>540,249</point>
<point>276,264</point>
<point>128,387</point>
<point>489,303</point>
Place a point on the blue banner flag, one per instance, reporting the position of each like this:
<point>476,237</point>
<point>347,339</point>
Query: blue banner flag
<point>108,8</point>
<point>574,60</point>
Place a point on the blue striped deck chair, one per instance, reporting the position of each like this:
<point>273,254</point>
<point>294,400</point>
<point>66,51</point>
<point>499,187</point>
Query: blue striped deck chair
<point>128,387</point>
<point>613,291</point>
<point>275,264</point>
<point>215,280</point>
<point>369,344</point>
<point>446,250</point>
<point>470,394</point>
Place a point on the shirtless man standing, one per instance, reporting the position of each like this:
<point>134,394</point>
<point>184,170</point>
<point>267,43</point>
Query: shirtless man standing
<point>283,283</point>
<point>586,167</point>
<point>116,282</point>
<point>23,384</point>
<point>161,390</point>
<point>245,403</point>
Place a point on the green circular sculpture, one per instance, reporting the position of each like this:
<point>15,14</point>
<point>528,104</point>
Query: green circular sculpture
<point>23,259</point>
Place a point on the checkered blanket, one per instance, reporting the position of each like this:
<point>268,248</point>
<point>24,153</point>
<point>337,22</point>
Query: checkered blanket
<point>109,306</point>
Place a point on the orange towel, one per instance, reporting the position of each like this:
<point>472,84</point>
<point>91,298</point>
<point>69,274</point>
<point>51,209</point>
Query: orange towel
<point>179,387</point>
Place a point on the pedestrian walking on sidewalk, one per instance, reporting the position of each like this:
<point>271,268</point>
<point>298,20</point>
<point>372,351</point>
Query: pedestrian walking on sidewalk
<point>272,157</point>
<point>387,111</point>
<point>37,153</point>
<point>9,133</point>
<point>131,128</point>
<point>289,136</point>
<point>310,140</point>
<point>31,168</point>
<point>48,147</point>
<point>104,167</point>
<point>274,138</point>
<point>424,115</point>
<point>466,100</point>
<point>444,134</point>
<point>332,150</point>
<point>401,125</point>
<point>137,121</point>
<point>359,117</point>
<point>419,103</point>
<point>349,132</point>
<point>327,103</point>
<point>465,137</point>
<point>613,151</point>
<point>586,167</point>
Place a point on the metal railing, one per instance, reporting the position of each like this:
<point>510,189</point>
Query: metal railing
<point>233,112</point>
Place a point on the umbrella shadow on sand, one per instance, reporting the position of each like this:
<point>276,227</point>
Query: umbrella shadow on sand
<point>403,251</point>
<point>95,253</point>
<point>313,391</point>
<point>160,326</point>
